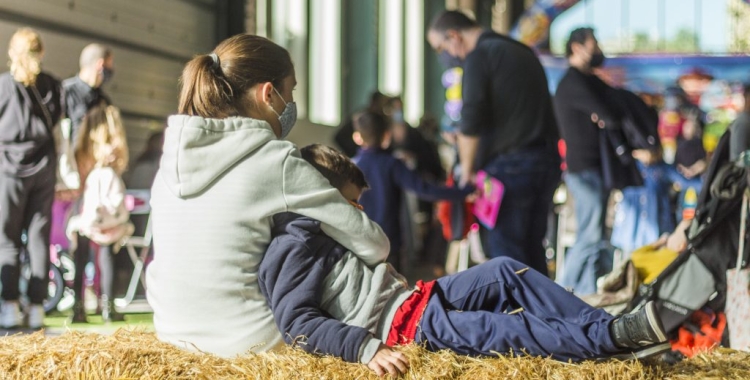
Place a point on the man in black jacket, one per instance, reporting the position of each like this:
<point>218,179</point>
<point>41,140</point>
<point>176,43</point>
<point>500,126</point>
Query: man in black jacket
<point>589,117</point>
<point>508,130</point>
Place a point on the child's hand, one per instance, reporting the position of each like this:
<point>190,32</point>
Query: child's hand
<point>388,361</point>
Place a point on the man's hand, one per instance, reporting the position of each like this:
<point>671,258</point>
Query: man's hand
<point>646,156</point>
<point>388,361</point>
<point>467,179</point>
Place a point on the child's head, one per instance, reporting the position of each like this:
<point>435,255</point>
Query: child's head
<point>101,139</point>
<point>338,169</point>
<point>371,130</point>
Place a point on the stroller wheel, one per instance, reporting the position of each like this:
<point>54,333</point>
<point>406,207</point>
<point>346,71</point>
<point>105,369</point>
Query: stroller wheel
<point>55,289</point>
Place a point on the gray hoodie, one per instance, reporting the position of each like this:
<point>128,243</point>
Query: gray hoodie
<point>219,184</point>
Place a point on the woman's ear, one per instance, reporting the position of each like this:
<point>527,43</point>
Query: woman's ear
<point>263,93</point>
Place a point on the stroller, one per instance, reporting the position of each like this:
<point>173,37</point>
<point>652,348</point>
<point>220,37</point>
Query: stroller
<point>697,278</point>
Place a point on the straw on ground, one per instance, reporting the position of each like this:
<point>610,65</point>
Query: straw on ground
<point>132,354</point>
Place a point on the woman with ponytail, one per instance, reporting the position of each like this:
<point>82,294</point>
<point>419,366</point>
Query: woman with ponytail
<point>225,172</point>
<point>30,106</point>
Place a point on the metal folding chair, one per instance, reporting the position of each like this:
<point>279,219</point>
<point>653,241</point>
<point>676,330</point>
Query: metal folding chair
<point>138,247</point>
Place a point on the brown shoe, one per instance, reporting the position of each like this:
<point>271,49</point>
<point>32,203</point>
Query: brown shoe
<point>79,313</point>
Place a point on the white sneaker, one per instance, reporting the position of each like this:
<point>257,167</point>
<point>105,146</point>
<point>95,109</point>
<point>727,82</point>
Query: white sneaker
<point>10,315</point>
<point>35,314</point>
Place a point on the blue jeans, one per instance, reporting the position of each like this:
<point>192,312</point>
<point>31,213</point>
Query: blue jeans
<point>530,178</point>
<point>476,312</point>
<point>588,258</point>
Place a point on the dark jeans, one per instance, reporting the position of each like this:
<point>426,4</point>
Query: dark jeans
<point>472,313</point>
<point>26,204</point>
<point>587,259</point>
<point>530,178</point>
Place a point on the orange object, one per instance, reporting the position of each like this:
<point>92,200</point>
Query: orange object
<point>445,210</point>
<point>701,333</point>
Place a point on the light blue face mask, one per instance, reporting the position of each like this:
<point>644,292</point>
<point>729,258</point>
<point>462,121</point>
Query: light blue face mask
<point>288,117</point>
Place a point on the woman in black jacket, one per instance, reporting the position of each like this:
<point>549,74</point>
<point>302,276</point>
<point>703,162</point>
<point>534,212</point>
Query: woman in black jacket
<point>30,106</point>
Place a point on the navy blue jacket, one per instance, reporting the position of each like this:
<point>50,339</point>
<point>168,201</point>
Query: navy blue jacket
<point>291,275</point>
<point>388,178</point>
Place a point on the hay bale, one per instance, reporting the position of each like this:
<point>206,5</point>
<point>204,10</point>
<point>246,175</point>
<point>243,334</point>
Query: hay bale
<point>136,354</point>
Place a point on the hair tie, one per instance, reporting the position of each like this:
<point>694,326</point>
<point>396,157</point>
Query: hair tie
<point>217,64</point>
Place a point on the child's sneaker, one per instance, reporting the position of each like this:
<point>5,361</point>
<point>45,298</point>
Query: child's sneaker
<point>10,315</point>
<point>35,315</point>
<point>640,329</point>
<point>643,353</point>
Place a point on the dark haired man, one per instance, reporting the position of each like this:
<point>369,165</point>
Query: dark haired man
<point>589,114</point>
<point>508,129</point>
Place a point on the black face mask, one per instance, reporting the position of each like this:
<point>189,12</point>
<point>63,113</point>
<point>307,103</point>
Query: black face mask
<point>107,74</point>
<point>449,61</point>
<point>597,59</point>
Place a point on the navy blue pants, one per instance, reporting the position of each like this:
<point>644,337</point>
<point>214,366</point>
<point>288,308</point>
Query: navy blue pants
<point>472,313</point>
<point>530,178</point>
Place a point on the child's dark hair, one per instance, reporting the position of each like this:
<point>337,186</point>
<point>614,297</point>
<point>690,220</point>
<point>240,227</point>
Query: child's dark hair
<point>372,127</point>
<point>335,166</point>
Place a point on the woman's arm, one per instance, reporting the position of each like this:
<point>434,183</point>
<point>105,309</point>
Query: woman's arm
<point>307,192</point>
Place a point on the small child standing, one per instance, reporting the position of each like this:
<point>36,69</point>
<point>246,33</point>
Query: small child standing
<point>690,163</point>
<point>690,158</point>
<point>102,156</point>
<point>327,300</point>
<point>389,177</point>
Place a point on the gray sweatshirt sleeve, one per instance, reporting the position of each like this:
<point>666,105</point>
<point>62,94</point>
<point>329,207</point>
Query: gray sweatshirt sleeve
<point>308,193</point>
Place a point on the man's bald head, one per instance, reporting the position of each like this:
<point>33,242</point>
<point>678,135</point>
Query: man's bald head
<point>92,53</point>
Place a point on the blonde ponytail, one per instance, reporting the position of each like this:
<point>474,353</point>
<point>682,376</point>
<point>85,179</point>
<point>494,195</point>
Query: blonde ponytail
<point>25,52</point>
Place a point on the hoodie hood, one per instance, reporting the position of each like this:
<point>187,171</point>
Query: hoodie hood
<point>197,150</point>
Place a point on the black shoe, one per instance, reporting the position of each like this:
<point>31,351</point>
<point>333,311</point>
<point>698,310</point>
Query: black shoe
<point>109,314</point>
<point>640,329</point>
<point>79,313</point>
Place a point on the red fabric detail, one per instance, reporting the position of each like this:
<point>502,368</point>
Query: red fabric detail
<point>562,149</point>
<point>444,211</point>
<point>700,334</point>
<point>407,317</point>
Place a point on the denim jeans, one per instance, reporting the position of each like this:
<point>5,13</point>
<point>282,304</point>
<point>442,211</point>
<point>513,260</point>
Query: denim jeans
<point>498,306</point>
<point>530,178</point>
<point>588,258</point>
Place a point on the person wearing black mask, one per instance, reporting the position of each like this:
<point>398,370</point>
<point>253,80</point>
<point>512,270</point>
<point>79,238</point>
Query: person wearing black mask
<point>507,129</point>
<point>586,107</point>
<point>83,92</point>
